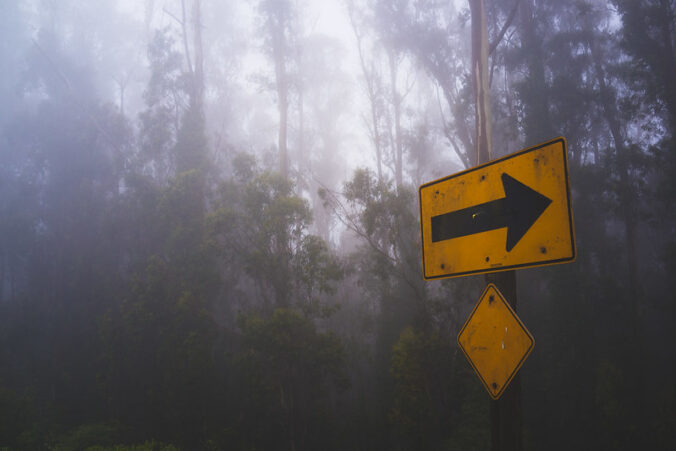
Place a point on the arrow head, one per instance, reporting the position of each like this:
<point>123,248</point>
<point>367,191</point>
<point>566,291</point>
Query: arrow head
<point>524,205</point>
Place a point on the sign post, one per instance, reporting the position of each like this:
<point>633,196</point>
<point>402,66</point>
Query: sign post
<point>510,213</point>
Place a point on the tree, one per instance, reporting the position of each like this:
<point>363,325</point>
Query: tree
<point>159,373</point>
<point>261,224</point>
<point>427,398</point>
<point>429,31</point>
<point>164,96</point>
<point>289,369</point>
<point>649,36</point>
<point>388,80</point>
<point>278,17</point>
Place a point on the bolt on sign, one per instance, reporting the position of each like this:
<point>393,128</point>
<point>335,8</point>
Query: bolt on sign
<point>509,213</point>
<point>495,341</point>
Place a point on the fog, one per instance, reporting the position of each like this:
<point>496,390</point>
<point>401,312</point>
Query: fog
<point>210,223</point>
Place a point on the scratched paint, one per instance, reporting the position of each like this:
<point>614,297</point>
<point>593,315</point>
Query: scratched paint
<point>495,341</point>
<point>549,240</point>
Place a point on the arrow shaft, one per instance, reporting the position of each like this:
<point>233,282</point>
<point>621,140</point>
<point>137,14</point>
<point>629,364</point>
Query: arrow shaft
<point>468,221</point>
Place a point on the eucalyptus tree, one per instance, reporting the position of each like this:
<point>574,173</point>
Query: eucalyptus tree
<point>278,18</point>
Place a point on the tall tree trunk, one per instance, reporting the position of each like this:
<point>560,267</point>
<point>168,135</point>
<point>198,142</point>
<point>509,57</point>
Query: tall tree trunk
<point>3,268</point>
<point>198,68</point>
<point>534,93</point>
<point>301,129</point>
<point>482,113</point>
<point>396,108</point>
<point>184,29</point>
<point>506,427</point>
<point>282,92</point>
<point>191,143</point>
<point>627,194</point>
<point>370,79</point>
<point>279,54</point>
<point>648,31</point>
<point>669,62</point>
<point>628,205</point>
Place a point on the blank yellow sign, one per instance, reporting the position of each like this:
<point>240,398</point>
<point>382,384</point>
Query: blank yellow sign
<point>495,341</point>
<point>509,213</point>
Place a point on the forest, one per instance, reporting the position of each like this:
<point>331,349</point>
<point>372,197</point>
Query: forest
<point>210,234</point>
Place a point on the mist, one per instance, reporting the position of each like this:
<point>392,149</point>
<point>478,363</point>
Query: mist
<point>210,223</point>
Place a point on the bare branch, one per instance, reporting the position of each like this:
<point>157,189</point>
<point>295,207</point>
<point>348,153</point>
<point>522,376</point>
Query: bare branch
<point>182,23</point>
<point>506,25</point>
<point>72,93</point>
<point>349,221</point>
<point>490,75</point>
<point>168,13</point>
<point>447,132</point>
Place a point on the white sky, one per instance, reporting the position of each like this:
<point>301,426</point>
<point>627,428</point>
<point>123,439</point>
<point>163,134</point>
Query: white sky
<point>255,117</point>
<point>328,17</point>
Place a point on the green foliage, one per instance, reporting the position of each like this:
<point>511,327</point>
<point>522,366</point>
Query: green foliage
<point>145,446</point>
<point>152,299</point>
<point>317,269</point>
<point>608,400</point>
<point>158,341</point>
<point>158,355</point>
<point>429,408</point>
<point>288,346</point>
<point>289,369</point>
<point>647,36</point>
<point>262,227</point>
<point>16,418</point>
<point>664,425</point>
<point>412,357</point>
<point>87,436</point>
<point>165,92</point>
<point>471,426</point>
<point>385,218</point>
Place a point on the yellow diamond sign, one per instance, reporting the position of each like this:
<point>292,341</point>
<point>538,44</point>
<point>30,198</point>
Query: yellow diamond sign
<point>495,341</point>
<point>509,213</point>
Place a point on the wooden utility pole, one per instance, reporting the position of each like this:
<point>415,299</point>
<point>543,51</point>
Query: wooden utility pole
<point>482,137</point>
<point>506,422</point>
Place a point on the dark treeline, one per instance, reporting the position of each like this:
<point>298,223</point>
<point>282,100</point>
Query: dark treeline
<point>169,280</point>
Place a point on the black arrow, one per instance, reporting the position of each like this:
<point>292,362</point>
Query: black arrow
<point>517,211</point>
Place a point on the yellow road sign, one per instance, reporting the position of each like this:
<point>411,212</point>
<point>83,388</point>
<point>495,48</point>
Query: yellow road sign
<point>495,341</point>
<point>509,213</point>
